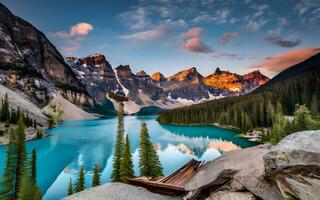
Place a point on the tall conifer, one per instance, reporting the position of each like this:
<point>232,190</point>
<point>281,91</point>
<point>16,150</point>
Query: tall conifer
<point>126,166</point>
<point>81,180</point>
<point>149,162</point>
<point>96,176</point>
<point>115,176</point>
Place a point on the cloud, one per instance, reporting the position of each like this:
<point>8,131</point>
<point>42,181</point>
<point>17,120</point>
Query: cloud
<point>71,41</point>
<point>70,48</point>
<point>196,45</point>
<point>286,43</point>
<point>282,61</point>
<point>81,29</point>
<point>193,32</point>
<point>222,15</point>
<point>231,56</point>
<point>227,37</point>
<point>136,19</point>
<point>255,25</point>
<point>154,33</point>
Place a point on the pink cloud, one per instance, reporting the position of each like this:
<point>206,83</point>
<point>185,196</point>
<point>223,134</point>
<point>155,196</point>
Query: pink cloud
<point>193,32</point>
<point>151,34</point>
<point>278,63</point>
<point>196,45</point>
<point>81,29</point>
<point>71,41</point>
<point>227,37</point>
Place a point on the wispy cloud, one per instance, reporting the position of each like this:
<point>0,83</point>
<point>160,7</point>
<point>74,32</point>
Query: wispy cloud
<point>71,41</point>
<point>196,45</point>
<point>278,63</point>
<point>255,25</point>
<point>282,42</point>
<point>154,33</point>
<point>136,19</point>
<point>193,32</point>
<point>227,37</point>
<point>223,55</point>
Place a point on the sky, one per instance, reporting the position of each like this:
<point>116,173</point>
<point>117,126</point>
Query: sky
<point>169,36</point>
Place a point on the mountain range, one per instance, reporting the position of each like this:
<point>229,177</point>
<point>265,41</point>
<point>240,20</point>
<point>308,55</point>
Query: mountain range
<point>142,90</point>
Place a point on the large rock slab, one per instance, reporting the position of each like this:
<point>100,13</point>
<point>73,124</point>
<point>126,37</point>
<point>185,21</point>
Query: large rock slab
<point>238,170</point>
<point>225,195</point>
<point>118,191</point>
<point>293,165</point>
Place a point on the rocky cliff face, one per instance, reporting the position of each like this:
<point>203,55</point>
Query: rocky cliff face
<point>31,64</point>
<point>187,84</point>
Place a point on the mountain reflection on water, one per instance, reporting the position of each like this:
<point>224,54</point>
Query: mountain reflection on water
<point>90,142</point>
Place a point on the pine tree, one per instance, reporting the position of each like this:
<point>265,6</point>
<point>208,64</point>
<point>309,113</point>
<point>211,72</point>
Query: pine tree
<point>5,113</point>
<point>28,188</point>
<point>8,182</point>
<point>115,176</point>
<point>81,180</point>
<point>149,162</point>
<point>126,165</point>
<point>38,134</point>
<point>96,176</point>
<point>302,118</point>
<point>314,105</point>
<point>33,166</point>
<point>20,154</point>
<point>70,188</point>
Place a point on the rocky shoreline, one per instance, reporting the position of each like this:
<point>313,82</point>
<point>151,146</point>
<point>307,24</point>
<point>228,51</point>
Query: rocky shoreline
<point>288,170</point>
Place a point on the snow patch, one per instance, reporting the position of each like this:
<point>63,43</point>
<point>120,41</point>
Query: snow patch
<point>125,90</point>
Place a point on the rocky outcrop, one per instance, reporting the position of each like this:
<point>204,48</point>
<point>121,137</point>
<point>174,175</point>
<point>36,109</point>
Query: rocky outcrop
<point>225,81</point>
<point>293,165</point>
<point>118,191</point>
<point>288,170</point>
<point>186,84</point>
<point>31,64</point>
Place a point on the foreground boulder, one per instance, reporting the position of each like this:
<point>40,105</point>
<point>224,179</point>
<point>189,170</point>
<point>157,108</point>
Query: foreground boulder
<point>118,191</point>
<point>288,170</point>
<point>293,165</point>
<point>241,170</point>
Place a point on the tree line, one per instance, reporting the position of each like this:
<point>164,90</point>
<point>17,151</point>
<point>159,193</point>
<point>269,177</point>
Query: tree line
<point>11,116</point>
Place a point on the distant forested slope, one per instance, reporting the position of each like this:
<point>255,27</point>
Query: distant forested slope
<point>300,84</point>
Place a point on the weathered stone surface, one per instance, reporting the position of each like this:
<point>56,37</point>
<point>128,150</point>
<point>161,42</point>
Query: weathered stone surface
<point>118,191</point>
<point>293,165</point>
<point>225,195</point>
<point>238,170</point>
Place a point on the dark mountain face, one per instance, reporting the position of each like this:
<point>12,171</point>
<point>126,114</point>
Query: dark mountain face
<point>310,65</point>
<point>30,63</point>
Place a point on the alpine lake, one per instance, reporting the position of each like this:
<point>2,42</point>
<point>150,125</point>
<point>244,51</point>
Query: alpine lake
<point>90,142</point>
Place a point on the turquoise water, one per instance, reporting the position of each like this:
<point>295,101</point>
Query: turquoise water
<point>76,143</point>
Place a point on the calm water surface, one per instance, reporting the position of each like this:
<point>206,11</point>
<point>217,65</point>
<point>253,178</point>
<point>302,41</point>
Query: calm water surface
<point>87,142</point>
